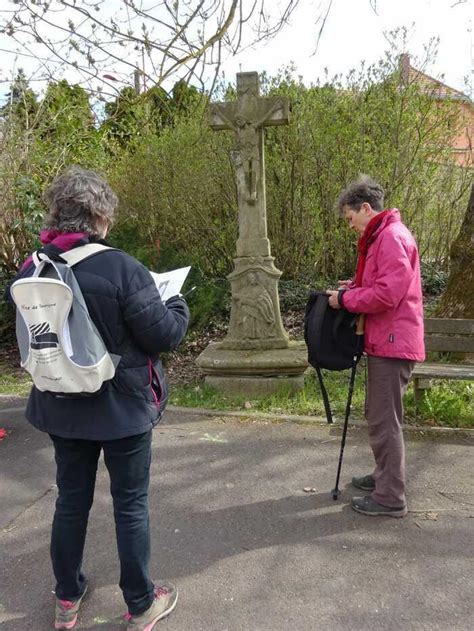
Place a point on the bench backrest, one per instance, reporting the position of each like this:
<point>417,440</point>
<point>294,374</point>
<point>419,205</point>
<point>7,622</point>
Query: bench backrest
<point>449,335</point>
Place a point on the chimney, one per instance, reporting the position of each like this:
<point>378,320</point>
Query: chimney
<point>404,67</point>
<point>136,80</point>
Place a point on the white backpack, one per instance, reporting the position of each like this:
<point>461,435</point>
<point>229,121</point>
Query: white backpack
<point>59,344</point>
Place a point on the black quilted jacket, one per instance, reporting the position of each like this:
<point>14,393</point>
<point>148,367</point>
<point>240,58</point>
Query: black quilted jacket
<point>135,324</point>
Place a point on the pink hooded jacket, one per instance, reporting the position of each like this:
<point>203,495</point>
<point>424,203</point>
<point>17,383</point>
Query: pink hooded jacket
<point>390,293</point>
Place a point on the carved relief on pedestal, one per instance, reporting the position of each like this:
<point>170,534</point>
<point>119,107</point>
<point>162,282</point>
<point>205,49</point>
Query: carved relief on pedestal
<point>255,320</point>
<point>254,310</point>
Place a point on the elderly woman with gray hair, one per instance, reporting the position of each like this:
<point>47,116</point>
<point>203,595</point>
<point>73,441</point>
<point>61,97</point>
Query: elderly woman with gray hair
<point>136,325</point>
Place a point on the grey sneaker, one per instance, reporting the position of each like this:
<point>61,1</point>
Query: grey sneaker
<point>368,506</point>
<point>66,612</point>
<point>166,597</point>
<point>364,483</point>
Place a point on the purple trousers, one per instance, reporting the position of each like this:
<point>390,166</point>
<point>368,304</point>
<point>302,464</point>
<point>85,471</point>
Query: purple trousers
<point>387,382</point>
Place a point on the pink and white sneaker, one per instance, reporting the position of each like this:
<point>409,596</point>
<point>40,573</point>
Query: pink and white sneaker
<point>66,612</point>
<point>166,597</point>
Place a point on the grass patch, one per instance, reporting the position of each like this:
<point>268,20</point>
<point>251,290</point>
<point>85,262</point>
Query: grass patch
<point>446,404</point>
<point>307,402</point>
<point>14,382</point>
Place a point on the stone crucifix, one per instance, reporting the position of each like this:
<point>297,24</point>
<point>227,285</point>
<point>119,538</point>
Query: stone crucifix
<point>256,356</point>
<point>247,116</point>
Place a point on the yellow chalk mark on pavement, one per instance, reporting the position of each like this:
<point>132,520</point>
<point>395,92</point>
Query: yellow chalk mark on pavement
<point>217,438</point>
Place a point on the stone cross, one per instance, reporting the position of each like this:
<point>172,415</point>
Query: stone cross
<point>247,116</point>
<point>256,356</point>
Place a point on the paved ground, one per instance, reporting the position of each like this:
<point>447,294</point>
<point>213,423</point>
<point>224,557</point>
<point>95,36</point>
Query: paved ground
<point>248,548</point>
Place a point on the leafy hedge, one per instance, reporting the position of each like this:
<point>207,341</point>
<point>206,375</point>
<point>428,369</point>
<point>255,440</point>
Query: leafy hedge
<point>177,188</point>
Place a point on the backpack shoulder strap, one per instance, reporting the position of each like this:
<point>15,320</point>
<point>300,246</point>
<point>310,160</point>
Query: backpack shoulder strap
<point>76,255</point>
<point>327,405</point>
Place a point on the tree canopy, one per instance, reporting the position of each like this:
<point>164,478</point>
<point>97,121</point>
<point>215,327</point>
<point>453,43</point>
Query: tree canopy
<point>175,179</point>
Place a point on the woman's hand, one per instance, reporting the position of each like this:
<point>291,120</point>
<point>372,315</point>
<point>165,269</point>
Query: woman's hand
<point>344,284</point>
<point>333,299</point>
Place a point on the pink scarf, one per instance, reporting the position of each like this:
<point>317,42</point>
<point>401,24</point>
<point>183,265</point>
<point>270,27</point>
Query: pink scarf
<point>62,240</point>
<point>365,240</point>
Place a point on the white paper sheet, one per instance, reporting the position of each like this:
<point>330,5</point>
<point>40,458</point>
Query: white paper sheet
<point>170,283</point>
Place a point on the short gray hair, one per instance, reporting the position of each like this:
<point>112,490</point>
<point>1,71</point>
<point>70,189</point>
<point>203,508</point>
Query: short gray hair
<point>79,201</point>
<point>364,189</point>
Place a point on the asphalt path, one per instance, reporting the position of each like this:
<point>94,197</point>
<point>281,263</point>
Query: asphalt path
<point>247,545</point>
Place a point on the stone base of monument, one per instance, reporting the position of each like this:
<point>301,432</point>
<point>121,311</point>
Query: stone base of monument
<point>254,372</point>
<point>255,386</point>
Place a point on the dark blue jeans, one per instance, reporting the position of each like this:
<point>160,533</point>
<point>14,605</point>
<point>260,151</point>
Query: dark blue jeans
<point>128,463</point>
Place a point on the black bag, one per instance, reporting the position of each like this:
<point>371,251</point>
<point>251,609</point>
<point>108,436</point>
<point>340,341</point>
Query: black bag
<point>330,334</point>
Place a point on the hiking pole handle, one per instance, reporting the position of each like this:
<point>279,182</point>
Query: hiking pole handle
<point>360,325</point>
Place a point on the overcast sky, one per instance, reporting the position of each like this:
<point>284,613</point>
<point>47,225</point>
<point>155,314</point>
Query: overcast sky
<point>353,32</point>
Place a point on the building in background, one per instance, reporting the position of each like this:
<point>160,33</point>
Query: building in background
<point>463,139</point>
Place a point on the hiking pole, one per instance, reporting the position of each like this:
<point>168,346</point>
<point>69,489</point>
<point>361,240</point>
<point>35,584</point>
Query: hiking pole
<point>359,331</point>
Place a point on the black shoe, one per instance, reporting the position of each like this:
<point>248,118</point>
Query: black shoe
<point>368,506</point>
<point>364,483</point>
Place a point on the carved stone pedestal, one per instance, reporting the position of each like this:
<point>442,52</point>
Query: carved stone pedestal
<point>255,320</point>
<point>256,356</point>
<point>254,372</point>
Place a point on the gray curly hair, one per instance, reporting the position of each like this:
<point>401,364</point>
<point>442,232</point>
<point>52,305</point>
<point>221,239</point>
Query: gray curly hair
<point>364,189</point>
<point>79,201</point>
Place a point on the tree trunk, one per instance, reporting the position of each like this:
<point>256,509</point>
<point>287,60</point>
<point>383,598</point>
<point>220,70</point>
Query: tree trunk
<point>458,299</point>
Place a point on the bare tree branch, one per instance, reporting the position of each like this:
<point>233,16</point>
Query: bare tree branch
<point>180,33</point>
<point>176,39</point>
<point>373,4</point>
<point>218,35</point>
<point>322,21</point>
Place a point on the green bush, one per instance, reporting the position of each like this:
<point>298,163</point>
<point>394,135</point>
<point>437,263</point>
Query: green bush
<point>176,183</point>
<point>294,294</point>
<point>433,278</point>
<point>7,318</point>
<point>209,301</point>
<point>126,238</point>
<point>179,186</point>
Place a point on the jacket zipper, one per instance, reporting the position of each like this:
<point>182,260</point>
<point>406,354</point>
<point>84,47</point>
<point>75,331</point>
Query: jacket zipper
<point>152,372</point>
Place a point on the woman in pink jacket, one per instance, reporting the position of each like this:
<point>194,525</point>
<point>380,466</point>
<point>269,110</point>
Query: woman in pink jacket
<point>387,288</point>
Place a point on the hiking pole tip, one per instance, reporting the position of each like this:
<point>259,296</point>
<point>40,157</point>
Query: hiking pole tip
<point>336,493</point>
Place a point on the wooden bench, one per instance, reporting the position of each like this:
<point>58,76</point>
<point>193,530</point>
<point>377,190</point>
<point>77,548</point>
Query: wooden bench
<point>441,336</point>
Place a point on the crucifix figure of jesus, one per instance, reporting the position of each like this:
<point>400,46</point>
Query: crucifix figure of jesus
<point>247,116</point>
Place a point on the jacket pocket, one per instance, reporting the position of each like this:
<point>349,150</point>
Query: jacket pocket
<point>376,331</point>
